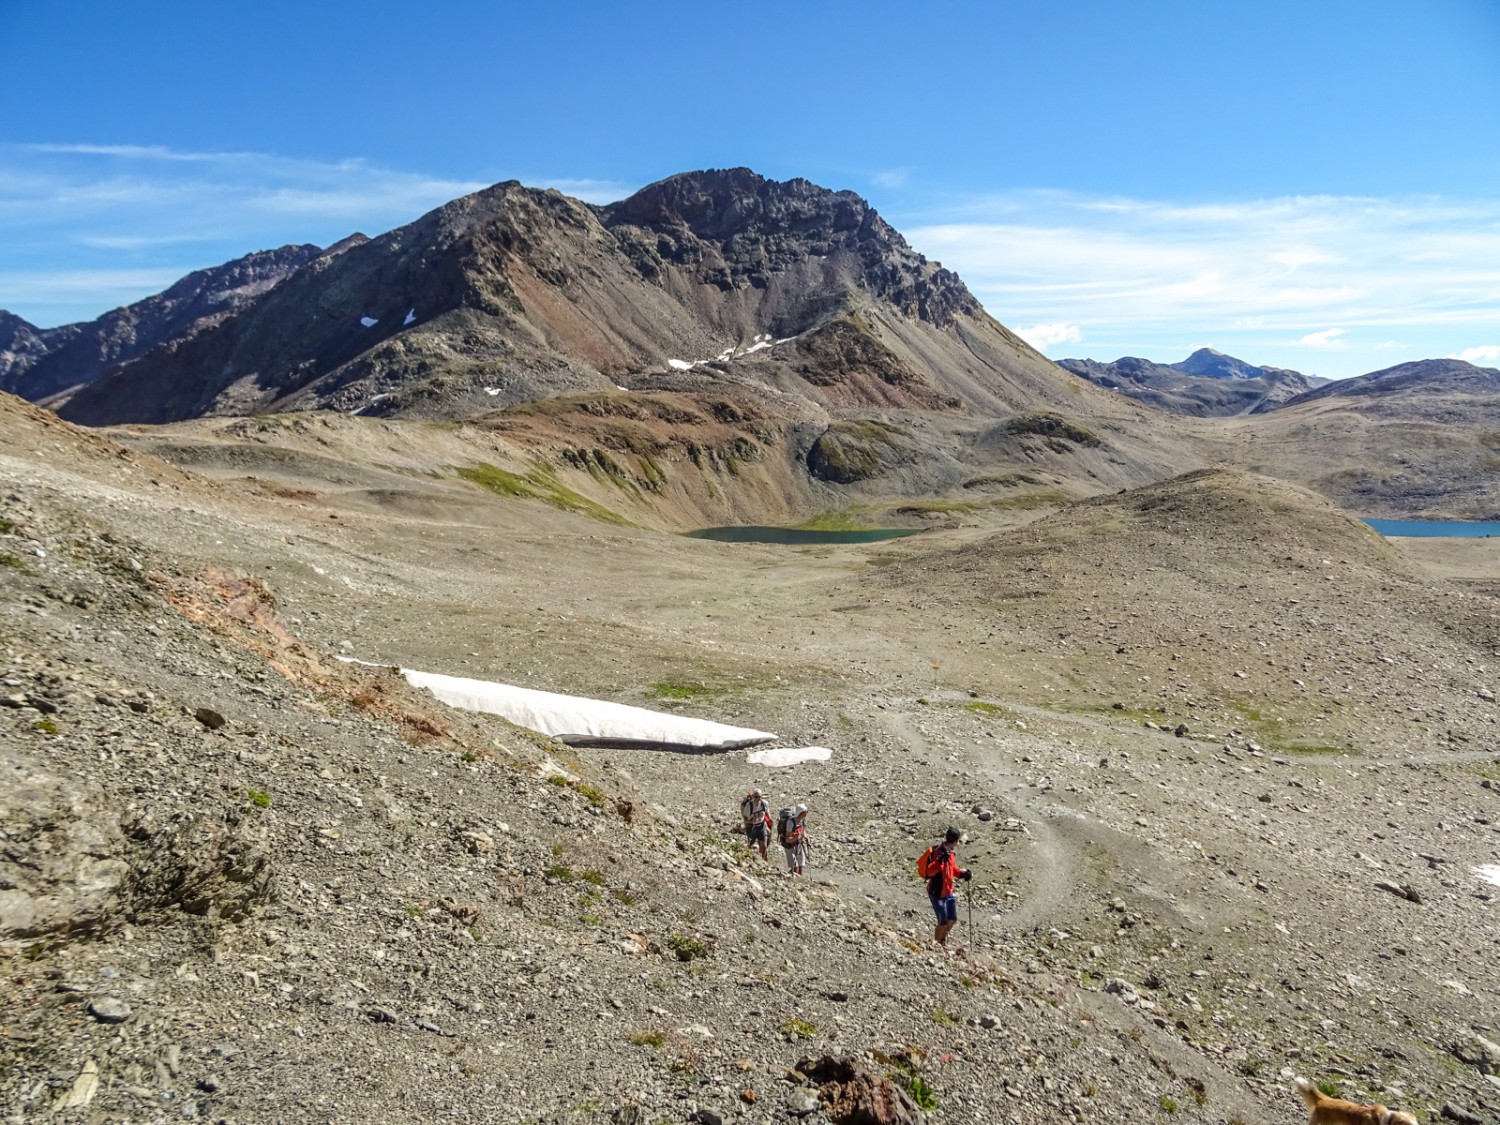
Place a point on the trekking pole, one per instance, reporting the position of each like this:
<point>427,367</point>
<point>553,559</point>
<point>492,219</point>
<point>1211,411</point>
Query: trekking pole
<point>969,894</point>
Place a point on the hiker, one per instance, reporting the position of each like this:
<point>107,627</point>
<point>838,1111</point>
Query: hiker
<point>939,866</point>
<point>757,818</point>
<point>791,833</point>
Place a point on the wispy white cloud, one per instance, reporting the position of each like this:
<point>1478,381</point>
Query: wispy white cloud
<point>1328,338</point>
<point>87,227</point>
<point>1485,353</point>
<point>1320,274</point>
<point>107,289</point>
<point>135,152</point>
<point>891,177</point>
<point>1043,336</point>
<point>154,190</point>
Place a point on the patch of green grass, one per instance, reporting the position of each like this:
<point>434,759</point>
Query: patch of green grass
<point>591,919</point>
<point>592,877</point>
<point>539,484</point>
<point>7,526</point>
<point>944,1019</point>
<point>561,872</point>
<point>651,469</point>
<point>653,1039</point>
<point>687,948</point>
<point>1329,1089</point>
<point>680,689</point>
<point>592,794</point>
<point>921,1093</point>
<point>1168,1105</point>
<point>989,710</point>
<point>44,726</point>
<point>414,912</point>
<point>558,780</point>
<point>939,507</point>
<point>798,1029</point>
<point>851,451</point>
<point>1283,732</point>
<point>841,520</point>
<point>624,897</point>
<point>259,798</point>
<point>1052,426</point>
<point>16,564</point>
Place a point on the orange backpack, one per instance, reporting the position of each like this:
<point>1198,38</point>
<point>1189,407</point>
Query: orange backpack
<point>927,863</point>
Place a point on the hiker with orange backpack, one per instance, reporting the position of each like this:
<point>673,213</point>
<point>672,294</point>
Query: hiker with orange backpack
<point>757,818</point>
<point>939,866</point>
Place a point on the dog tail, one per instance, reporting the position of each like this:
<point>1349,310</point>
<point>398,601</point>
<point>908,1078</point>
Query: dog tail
<point>1310,1093</point>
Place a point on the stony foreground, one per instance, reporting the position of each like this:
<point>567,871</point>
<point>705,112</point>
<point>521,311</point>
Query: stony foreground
<point>242,881</point>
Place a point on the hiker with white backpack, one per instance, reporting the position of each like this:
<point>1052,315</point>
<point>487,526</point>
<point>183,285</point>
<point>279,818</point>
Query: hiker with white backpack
<point>791,834</point>
<point>756,816</point>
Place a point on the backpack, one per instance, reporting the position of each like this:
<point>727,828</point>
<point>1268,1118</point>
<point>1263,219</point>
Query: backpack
<point>929,863</point>
<point>749,807</point>
<point>786,826</point>
<point>924,862</point>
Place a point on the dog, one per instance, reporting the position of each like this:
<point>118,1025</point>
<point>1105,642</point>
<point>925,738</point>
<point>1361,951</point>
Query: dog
<point>1336,1111</point>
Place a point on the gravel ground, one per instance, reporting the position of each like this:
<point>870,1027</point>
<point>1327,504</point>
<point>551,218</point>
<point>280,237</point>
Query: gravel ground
<point>242,881</point>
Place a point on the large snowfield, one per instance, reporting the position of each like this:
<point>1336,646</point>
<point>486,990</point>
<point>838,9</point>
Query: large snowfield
<point>580,721</point>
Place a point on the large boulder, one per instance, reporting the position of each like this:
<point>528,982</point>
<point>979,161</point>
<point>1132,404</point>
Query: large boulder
<point>851,1095</point>
<point>61,854</point>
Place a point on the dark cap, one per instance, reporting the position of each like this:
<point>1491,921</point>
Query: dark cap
<point>952,835</point>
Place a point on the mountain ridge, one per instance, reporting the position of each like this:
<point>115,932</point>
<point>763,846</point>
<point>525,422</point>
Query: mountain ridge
<point>76,354</point>
<point>514,293</point>
<point>1206,384</point>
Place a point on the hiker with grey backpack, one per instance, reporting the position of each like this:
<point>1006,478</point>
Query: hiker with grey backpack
<point>939,866</point>
<point>791,834</point>
<point>756,815</point>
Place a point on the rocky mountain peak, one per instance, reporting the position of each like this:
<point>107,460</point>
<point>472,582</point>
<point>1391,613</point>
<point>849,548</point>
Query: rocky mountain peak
<point>514,293</point>
<point>739,229</point>
<point>720,204</point>
<point>1211,364</point>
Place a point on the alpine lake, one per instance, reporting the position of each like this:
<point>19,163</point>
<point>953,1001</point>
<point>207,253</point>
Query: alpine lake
<point>797,536</point>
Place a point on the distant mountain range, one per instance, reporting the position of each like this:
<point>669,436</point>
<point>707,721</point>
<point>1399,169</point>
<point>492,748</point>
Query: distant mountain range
<point>38,363</point>
<point>513,294</point>
<point>1206,384</point>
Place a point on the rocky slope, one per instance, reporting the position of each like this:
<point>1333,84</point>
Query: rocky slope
<point>243,881</point>
<point>23,343</point>
<point>39,364</point>
<point>1206,384</point>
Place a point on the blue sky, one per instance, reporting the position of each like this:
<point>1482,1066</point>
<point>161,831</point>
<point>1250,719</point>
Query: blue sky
<point>1309,183</point>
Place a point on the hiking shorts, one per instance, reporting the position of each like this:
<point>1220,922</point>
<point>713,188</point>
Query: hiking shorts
<point>945,907</point>
<point>796,856</point>
<point>758,833</point>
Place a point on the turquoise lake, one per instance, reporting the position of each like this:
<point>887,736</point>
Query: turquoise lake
<point>1452,529</point>
<point>795,536</point>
